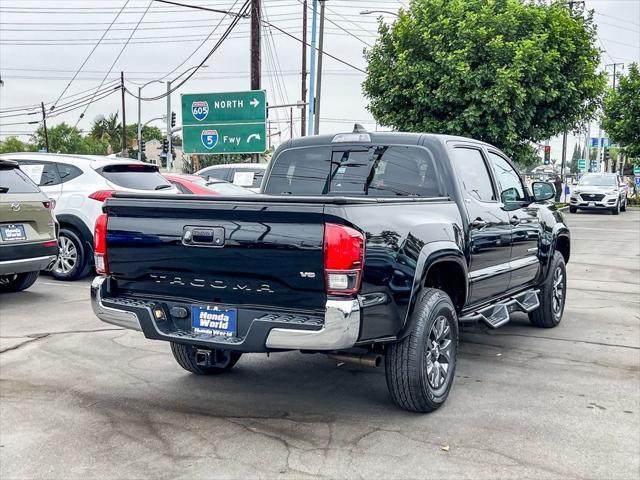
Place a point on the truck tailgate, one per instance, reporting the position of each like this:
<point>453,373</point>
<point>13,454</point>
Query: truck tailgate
<point>222,251</point>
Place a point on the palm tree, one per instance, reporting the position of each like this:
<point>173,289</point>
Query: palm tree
<point>108,129</point>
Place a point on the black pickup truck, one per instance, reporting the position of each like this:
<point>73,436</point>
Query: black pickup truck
<point>368,247</point>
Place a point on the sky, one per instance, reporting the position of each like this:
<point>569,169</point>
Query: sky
<point>43,43</point>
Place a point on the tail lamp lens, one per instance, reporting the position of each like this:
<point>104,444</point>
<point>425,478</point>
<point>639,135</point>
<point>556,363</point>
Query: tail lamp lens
<point>100,245</point>
<point>343,259</point>
<point>102,195</point>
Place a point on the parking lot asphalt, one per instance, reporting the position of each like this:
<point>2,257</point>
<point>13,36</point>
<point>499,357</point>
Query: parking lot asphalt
<point>82,399</point>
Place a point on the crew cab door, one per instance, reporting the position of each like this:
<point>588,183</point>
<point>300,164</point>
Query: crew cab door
<point>523,218</point>
<point>488,228</point>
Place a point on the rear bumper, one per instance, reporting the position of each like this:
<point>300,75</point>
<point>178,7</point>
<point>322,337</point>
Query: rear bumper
<point>337,330</point>
<point>26,257</point>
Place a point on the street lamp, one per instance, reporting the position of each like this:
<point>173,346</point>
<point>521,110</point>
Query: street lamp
<point>369,12</point>
<point>140,116</point>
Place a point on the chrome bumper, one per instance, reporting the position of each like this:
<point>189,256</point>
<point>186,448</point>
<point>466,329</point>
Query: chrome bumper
<point>340,329</point>
<point>24,265</point>
<point>121,318</point>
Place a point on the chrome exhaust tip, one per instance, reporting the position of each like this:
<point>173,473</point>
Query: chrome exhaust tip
<point>371,360</point>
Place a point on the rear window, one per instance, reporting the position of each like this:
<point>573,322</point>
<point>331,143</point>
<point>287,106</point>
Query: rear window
<point>134,176</point>
<point>379,171</point>
<point>13,180</point>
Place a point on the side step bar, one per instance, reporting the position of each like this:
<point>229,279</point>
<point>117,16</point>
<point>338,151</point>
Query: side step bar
<point>499,313</point>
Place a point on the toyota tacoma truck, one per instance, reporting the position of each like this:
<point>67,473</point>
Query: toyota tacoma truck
<point>368,247</point>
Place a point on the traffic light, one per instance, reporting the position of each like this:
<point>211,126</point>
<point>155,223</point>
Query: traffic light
<point>547,154</point>
<point>165,145</point>
<point>606,155</point>
<point>173,119</point>
<point>142,145</point>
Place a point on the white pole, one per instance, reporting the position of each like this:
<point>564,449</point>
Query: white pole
<point>139,124</point>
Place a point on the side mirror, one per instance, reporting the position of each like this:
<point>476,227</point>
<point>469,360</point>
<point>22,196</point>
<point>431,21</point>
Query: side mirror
<point>543,191</point>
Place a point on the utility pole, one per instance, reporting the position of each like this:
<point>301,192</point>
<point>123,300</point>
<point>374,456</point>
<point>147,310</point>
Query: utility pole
<point>599,157</point>
<point>303,114</point>
<point>291,121</point>
<point>615,66</point>
<point>255,53</point>
<point>312,73</point>
<point>124,120</point>
<point>316,128</point>
<point>44,124</point>
<point>139,124</point>
<point>169,155</point>
<point>564,158</point>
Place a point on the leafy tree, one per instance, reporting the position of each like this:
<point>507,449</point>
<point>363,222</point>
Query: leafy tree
<point>622,112</point>
<point>108,129</point>
<point>64,138</point>
<point>14,144</point>
<point>149,132</point>
<point>573,165</point>
<point>504,71</point>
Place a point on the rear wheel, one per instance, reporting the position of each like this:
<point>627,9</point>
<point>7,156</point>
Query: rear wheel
<point>623,208</point>
<point>73,259</point>
<point>573,209</point>
<point>17,281</point>
<point>185,355</point>
<point>420,368</point>
<point>552,295</point>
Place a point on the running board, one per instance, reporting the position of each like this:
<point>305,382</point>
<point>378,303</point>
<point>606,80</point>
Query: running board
<point>499,313</point>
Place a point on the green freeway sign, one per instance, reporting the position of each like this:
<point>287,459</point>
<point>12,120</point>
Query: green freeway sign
<point>582,164</point>
<point>229,122</point>
<point>636,169</point>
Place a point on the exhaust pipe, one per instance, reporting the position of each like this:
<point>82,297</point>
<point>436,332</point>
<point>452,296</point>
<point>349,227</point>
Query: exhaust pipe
<point>373,360</point>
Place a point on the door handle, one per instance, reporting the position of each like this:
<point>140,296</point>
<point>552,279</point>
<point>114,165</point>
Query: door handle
<point>478,223</point>
<point>515,220</point>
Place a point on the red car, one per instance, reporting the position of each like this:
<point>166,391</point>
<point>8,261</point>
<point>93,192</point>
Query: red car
<point>197,185</point>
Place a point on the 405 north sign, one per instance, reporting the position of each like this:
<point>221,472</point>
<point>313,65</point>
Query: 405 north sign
<point>228,122</point>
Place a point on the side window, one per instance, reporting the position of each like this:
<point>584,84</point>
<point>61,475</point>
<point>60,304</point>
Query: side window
<point>509,184</point>
<point>473,173</point>
<point>43,173</point>
<point>181,187</point>
<point>68,172</point>
<point>219,173</point>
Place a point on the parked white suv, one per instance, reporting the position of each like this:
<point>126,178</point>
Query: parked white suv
<point>599,191</point>
<point>79,184</point>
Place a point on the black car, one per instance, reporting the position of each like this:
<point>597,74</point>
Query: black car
<point>360,245</point>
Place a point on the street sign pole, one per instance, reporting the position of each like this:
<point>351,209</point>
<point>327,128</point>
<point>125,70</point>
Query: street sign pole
<point>169,156</point>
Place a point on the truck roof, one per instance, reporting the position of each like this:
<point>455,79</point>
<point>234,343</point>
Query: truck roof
<point>388,138</point>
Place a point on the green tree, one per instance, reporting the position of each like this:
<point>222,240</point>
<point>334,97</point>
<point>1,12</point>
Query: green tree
<point>622,112</point>
<point>109,130</point>
<point>14,144</point>
<point>149,132</point>
<point>504,71</point>
<point>573,165</point>
<point>64,138</point>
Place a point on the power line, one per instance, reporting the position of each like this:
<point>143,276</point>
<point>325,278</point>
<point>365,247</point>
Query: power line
<point>115,61</point>
<point>90,53</point>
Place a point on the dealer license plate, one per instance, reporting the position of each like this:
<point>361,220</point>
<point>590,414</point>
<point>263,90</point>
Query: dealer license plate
<point>213,320</point>
<point>592,204</point>
<point>12,232</point>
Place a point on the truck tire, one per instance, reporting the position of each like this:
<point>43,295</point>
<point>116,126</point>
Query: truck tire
<point>421,367</point>
<point>623,208</point>
<point>573,209</point>
<point>73,260</point>
<point>553,293</point>
<point>17,282</point>
<point>185,355</point>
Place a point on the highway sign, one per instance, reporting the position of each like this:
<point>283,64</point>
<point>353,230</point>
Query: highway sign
<point>604,142</point>
<point>228,122</point>
<point>582,164</point>
<point>636,169</point>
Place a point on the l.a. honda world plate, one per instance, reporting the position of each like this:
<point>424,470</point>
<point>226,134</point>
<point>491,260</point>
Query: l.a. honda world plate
<point>200,110</point>
<point>209,138</point>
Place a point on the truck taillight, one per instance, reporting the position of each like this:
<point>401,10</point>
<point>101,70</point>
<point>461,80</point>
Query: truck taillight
<point>343,259</point>
<point>100,245</point>
<point>102,195</point>
<point>50,204</point>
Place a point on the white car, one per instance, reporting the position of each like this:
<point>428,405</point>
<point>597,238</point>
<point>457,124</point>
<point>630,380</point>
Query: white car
<point>79,184</point>
<point>599,191</point>
<point>248,175</point>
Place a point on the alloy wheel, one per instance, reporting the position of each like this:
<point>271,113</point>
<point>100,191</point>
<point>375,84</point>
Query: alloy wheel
<point>557,294</point>
<point>438,352</point>
<point>67,256</point>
